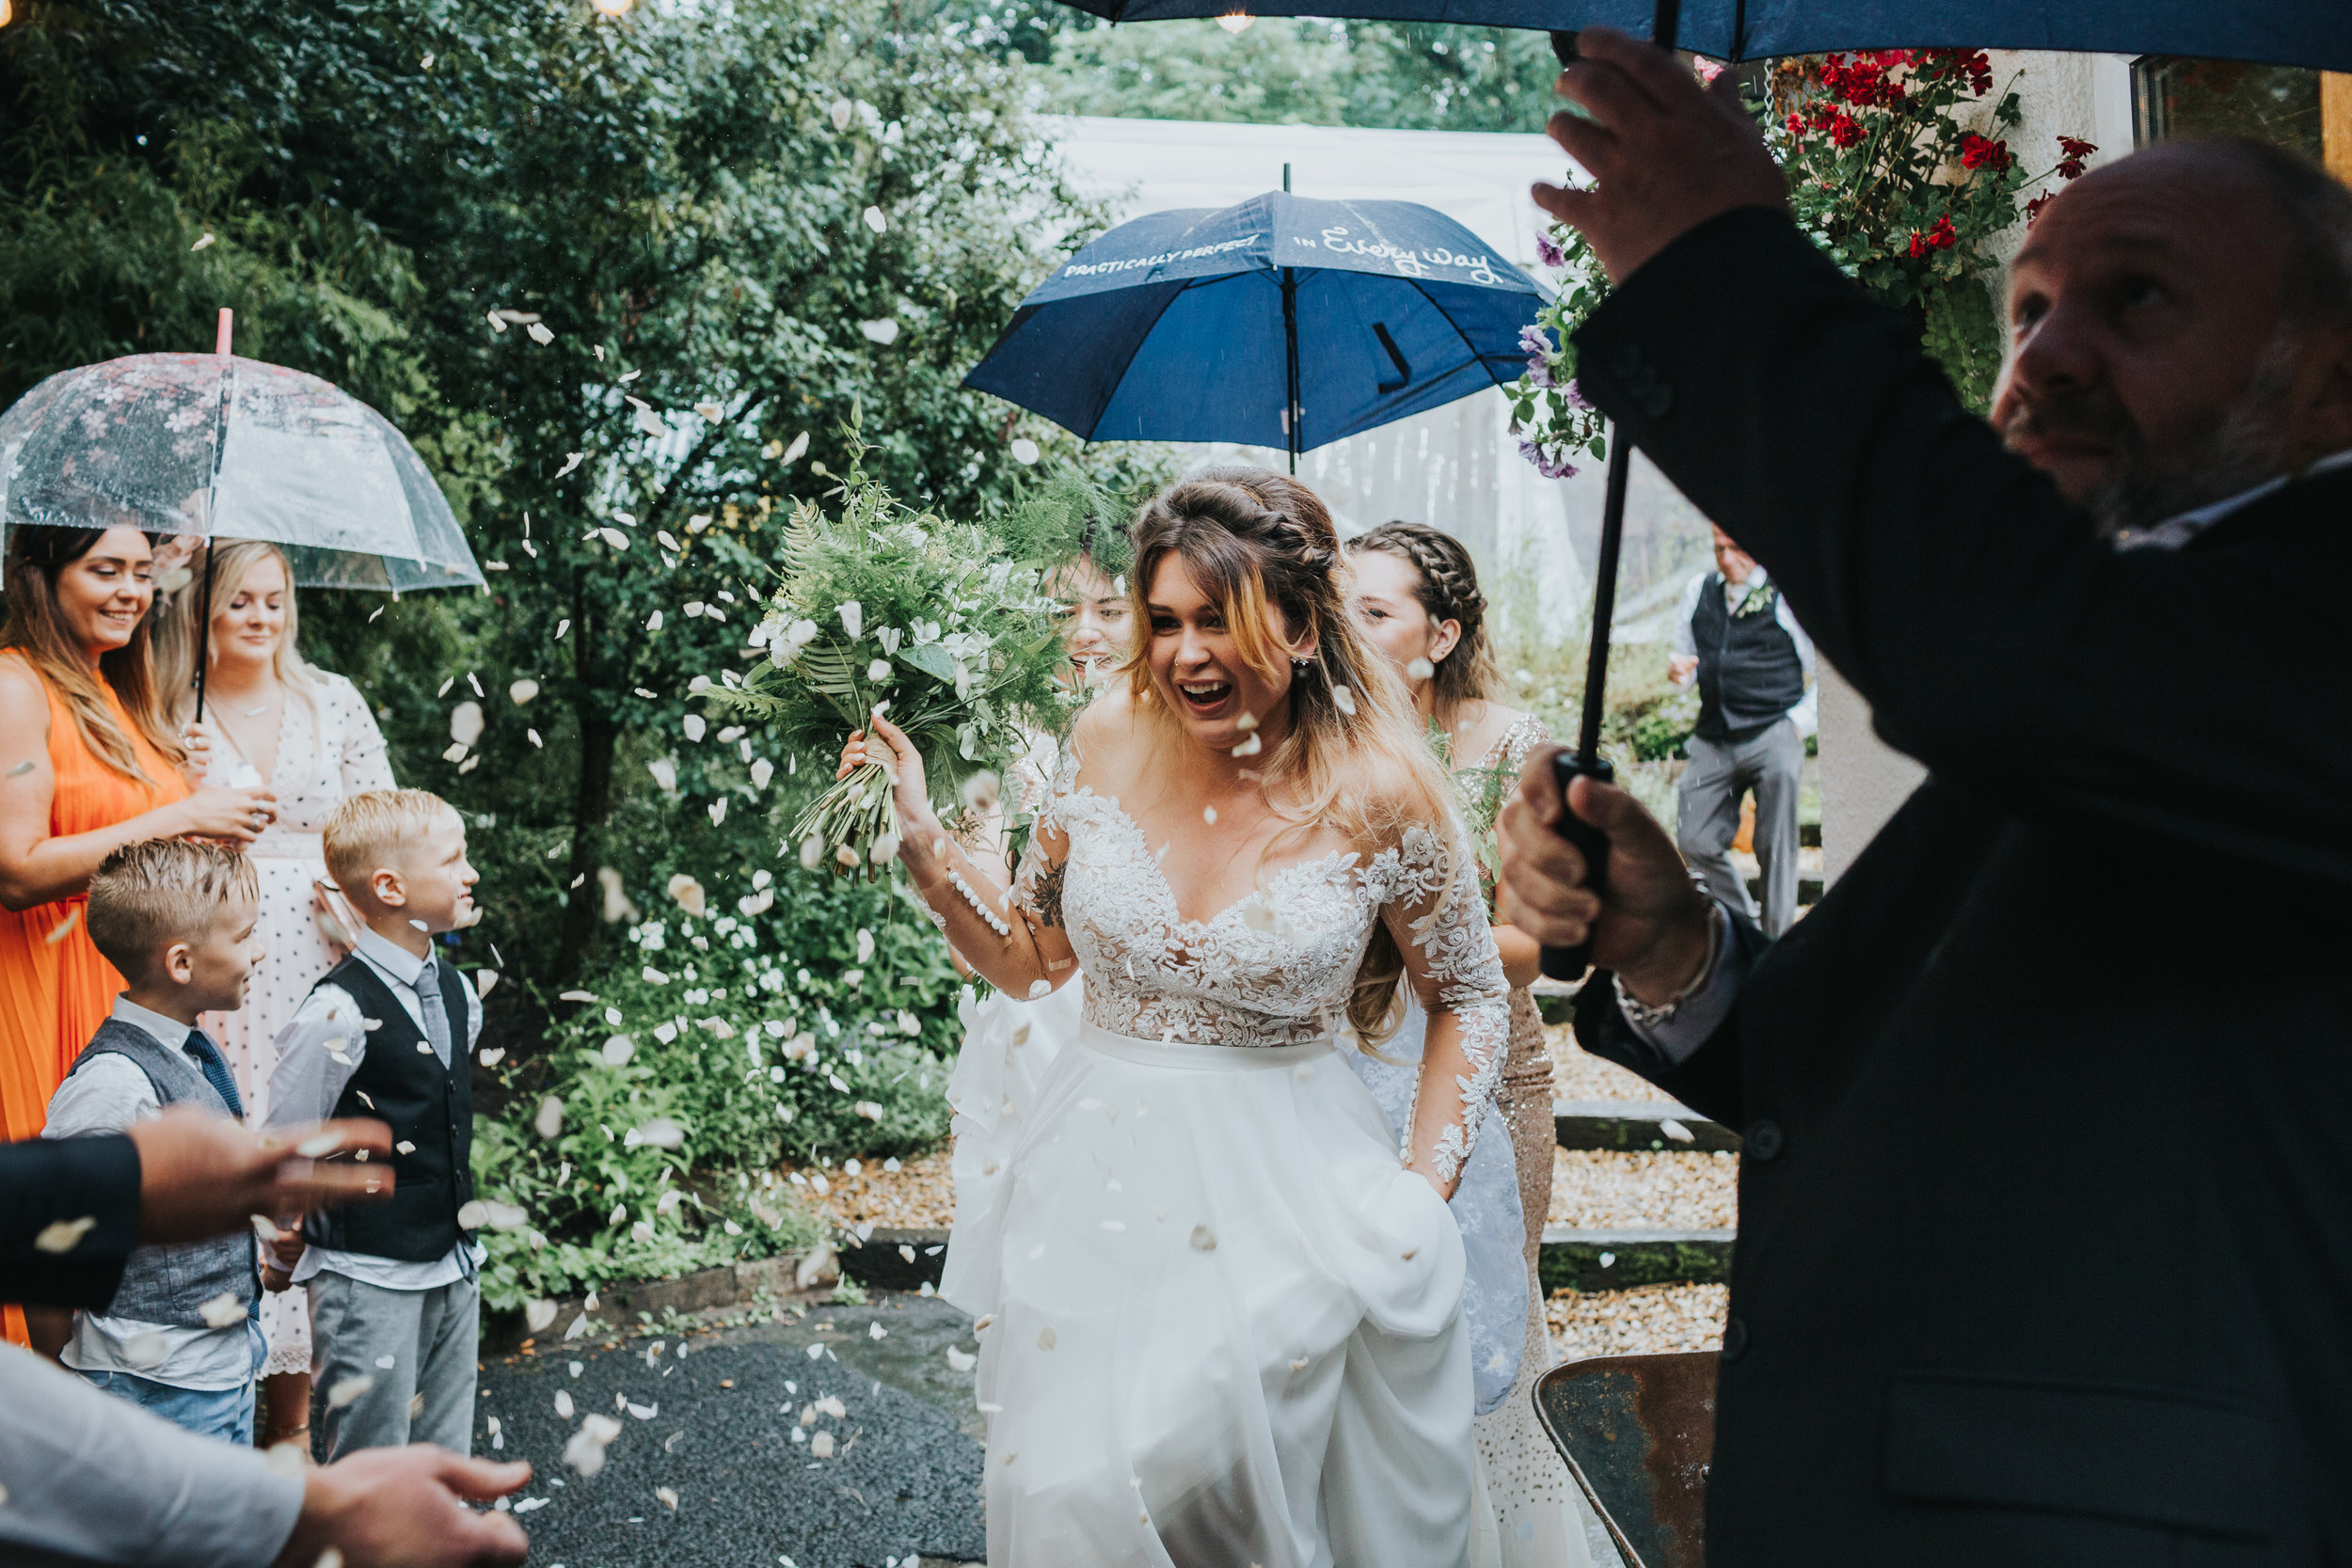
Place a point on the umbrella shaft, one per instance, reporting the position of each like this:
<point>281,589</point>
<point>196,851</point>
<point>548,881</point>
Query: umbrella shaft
<point>1290,378</point>
<point>1604,597</point>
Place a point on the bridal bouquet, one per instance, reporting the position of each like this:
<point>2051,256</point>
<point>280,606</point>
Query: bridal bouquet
<point>886,609</point>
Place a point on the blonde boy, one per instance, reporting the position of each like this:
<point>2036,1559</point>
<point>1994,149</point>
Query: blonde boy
<point>389,1033</point>
<point>182,1335</point>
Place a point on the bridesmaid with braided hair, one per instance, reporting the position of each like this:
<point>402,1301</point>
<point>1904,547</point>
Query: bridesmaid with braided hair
<point>1417,595</point>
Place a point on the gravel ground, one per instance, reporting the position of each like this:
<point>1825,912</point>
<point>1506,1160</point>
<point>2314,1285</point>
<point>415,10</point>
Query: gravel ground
<point>902,1481</point>
<point>1644,1321</point>
<point>1599,1190</point>
<point>913,1194</point>
<point>1576,1074</point>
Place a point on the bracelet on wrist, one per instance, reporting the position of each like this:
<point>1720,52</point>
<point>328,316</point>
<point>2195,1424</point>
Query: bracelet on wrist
<point>1645,1016</point>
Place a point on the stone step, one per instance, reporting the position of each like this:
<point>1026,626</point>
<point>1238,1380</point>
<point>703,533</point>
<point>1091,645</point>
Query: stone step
<point>1637,1126</point>
<point>1617,1260</point>
<point>894,1260</point>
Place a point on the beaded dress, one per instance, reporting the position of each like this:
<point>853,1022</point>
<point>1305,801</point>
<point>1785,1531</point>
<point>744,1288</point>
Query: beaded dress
<point>1223,1321</point>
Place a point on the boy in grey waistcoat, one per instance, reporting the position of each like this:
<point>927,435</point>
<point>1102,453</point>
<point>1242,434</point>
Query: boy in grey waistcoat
<point>182,1335</point>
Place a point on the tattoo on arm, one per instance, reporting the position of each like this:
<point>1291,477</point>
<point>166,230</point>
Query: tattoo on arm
<point>1049,893</point>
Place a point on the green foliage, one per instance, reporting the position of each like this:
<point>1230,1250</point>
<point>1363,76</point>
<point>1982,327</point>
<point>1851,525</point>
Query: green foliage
<point>887,607</point>
<point>1306,71</point>
<point>807,1025</point>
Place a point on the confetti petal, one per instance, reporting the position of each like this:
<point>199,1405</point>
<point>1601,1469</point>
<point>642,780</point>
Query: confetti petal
<point>64,1235</point>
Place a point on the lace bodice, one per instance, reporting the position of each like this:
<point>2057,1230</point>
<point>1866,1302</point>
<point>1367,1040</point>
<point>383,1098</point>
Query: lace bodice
<point>1277,968</point>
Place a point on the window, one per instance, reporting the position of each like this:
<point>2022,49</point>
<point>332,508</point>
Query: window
<point>2174,95</point>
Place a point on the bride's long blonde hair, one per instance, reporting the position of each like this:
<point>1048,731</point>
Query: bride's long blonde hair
<point>1262,548</point>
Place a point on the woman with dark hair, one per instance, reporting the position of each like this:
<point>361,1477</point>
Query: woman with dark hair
<point>1219,1300</point>
<point>90,763</point>
<point>1417,592</point>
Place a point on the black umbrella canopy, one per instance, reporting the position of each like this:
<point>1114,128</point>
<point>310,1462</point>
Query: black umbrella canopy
<point>2310,33</point>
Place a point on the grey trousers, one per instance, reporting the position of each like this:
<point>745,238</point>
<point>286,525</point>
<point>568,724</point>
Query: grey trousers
<point>1708,817</point>
<point>426,1395</point>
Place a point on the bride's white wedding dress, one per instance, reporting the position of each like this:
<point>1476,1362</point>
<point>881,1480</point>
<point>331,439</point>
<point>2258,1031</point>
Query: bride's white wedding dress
<point>1222,1322</point>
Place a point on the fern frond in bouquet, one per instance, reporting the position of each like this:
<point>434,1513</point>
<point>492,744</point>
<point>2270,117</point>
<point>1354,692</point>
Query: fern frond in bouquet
<point>885,606</point>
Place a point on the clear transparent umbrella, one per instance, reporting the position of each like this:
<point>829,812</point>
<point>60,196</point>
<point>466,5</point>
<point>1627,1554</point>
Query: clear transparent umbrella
<point>212,445</point>
<point>218,447</point>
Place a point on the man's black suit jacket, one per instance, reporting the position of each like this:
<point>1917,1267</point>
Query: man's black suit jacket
<point>48,1182</point>
<point>2045,1209</point>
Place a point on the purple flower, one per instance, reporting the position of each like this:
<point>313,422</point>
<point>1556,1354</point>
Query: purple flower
<point>1549,468</point>
<point>1574,394</point>
<point>1539,370</point>
<point>1535,340</point>
<point>1547,253</point>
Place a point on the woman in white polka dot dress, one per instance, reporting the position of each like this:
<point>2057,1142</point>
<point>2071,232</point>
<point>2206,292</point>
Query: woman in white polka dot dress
<point>274,719</point>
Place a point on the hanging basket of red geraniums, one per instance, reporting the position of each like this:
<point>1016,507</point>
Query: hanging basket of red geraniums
<point>1898,167</point>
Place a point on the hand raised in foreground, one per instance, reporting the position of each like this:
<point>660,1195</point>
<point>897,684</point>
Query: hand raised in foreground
<point>909,791</point>
<point>1651,928</point>
<point>203,1175</point>
<point>405,1508</point>
<point>1665,153</point>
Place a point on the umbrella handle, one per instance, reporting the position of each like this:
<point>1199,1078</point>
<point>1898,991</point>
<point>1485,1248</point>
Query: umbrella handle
<point>1570,963</point>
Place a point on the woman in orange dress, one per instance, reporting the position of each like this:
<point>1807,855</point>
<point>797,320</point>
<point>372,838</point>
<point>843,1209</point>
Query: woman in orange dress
<point>89,763</point>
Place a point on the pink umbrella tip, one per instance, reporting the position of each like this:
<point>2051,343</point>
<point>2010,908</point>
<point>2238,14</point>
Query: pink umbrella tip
<point>227,331</point>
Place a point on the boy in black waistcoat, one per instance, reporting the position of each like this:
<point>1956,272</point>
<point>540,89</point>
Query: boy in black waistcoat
<point>395,1303</point>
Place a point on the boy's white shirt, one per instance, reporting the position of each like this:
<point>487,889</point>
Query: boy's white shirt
<point>308,1081</point>
<point>109,1095</point>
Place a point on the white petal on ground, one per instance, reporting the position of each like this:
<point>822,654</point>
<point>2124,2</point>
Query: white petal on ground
<point>563,1403</point>
<point>667,1496</point>
<point>876,1331</point>
<point>644,1412</point>
<point>960,1360</point>
<point>884,331</point>
<point>820,1446</point>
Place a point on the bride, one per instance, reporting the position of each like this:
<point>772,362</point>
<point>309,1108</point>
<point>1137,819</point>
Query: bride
<point>1219,1307</point>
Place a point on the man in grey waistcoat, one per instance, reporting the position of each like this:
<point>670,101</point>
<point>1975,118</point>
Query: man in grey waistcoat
<point>1754,665</point>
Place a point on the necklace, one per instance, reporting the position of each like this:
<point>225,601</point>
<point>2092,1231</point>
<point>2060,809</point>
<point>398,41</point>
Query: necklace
<point>257,712</point>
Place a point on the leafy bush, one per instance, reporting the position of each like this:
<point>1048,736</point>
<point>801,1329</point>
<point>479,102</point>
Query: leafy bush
<point>810,1021</point>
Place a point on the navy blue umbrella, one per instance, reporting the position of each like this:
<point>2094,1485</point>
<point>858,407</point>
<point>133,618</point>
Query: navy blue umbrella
<point>1281,322</point>
<point>2312,33</point>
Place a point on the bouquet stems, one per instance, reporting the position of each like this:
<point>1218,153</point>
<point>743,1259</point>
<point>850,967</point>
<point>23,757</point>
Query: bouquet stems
<point>852,817</point>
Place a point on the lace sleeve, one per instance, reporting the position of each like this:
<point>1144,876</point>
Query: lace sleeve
<point>1037,883</point>
<point>1430,898</point>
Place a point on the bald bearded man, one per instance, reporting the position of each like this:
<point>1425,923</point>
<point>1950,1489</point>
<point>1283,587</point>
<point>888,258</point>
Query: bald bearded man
<point>2045,1251</point>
